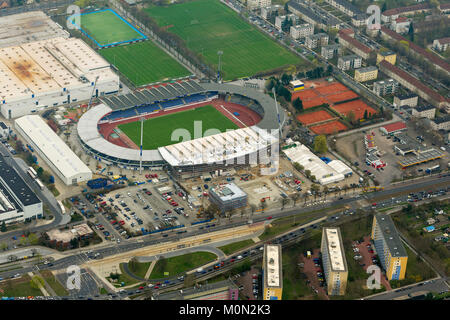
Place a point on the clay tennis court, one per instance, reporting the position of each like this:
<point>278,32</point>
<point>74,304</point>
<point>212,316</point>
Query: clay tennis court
<point>342,96</point>
<point>329,127</point>
<point>332,88</point>
<point>357,106</point>
<point>314,102</point>
<point>314,117</point>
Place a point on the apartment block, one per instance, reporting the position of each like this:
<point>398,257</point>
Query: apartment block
<point>302,30</point>
<point>366,74</point>
<point>334,262</point>
<point>348,62</point>
<point>385,87</point>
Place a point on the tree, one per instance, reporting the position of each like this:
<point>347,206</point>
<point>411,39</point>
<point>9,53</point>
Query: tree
<point>295,196</point>
<point>284,201</point>
<point>320,144</point>
<point>189,280</point>
<point>37,282</point>
<point>286,78</point>
<point>298,105</point>
<point>351,117</point>
<point>3,227</point>
<point>365,114</point>
<point>133,264</point>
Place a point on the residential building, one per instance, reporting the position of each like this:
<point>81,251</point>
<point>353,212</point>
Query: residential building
<point>392,14</point>
<point>366,74</point>
<point>385,87</point>
<point>315,40</point>
<point>272,272</point>
<point>228,197</point>
<point>348,62</point>
<point>401,25</point>
<point>302,30</point>
<point>389,247</point>
<point>417,50</point>
<point>255,4</point>
<point>427,111</point>
<point>319,21</point>
<point>414,85</point>
<point>359,20</point>
<point>4,130</point>
<point>441,123</point>
<point>334,262</point>
<point>53,150</point>
<point>329,51</point>
<point>280,20</point>
<point>270,11</point>
<point>445,8</point>
<point>410,99</point>
<point>389,56</point>
<point>441,44</point>
<point>18,202</point>
<point>346,40</point>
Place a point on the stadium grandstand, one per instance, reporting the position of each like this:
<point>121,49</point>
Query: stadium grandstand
<point>249,142</point>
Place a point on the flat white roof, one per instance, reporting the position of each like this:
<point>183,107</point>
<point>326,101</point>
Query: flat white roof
<point>296,83</point>
<point>334,249</point>
<point>218,148</point>
<point>272,268</point>
<point>323,172</point>
<point>51,65</point>
<point>228,191</point>
<point>58,153</point>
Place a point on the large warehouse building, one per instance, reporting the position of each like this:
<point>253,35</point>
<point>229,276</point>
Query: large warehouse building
<point>59,157</point>
<point>51,72</point>
<point>17,201</point>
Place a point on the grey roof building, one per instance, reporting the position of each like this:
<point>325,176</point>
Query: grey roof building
<point>228,197</point>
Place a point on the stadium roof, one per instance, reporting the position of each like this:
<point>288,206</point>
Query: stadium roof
<point>269,119</point>
<point>155,94</point>
<point>218,148</point>
<point>88,133</point>
<point>11,180</point>
<point>390,235</point>
<point>51,145</point>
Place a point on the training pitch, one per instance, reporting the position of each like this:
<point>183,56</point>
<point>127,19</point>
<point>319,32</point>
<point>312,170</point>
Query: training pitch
<point>106,28</point>
<point>158,131</point>
<point>208,26</point>
<point>143,63</point>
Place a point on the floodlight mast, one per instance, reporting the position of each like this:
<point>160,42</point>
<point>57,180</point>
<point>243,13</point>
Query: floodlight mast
<point>278,112</point>
<point>142,136</point>
<point>219,78</point>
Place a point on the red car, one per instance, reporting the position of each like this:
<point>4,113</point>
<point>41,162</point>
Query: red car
<point>268,218</point>
<point>156,287</point>
<point>141,288</point>
<point>180,194</point>
<point>121,222</point>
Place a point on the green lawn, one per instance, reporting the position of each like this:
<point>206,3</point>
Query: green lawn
<point>140,268</point>
<point>143,63</point>
<point>232,247</point>
<point>18,288</point>
<point>158,131</point>
<point>180,264</point>
<point>59,289</point>
<point>208,26</point>
<point>107,28</point>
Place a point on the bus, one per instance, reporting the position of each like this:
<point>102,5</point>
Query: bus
<point>61,207</point>
<point>40,184</point>
<point>32,173</point>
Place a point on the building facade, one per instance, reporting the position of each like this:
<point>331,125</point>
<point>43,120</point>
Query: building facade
<point>272,272</point>
<point>385,87</point>
<point>228,197</point>
<point>302,30</point>
<point>334,262</point>
<point>279,20</point>
<point>441,44</point>
<point>255,4</point>
<point>441,123</point>
<point>406,100</point>
<point>366,74</point>
<point>331,50</point>
<point>389,247</point>
<point>349,62</point>
<point>315,40</point>
<point>389,56</point>
<point>424,112</point>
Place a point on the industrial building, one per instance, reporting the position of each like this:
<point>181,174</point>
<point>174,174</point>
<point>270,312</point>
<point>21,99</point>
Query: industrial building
<point>366,74</point>
<point>17,201</point>
<point>334,262</point>
<point>389,247</point>
<point>49,146</point>
<point>52,72</point>
<point>228,197</point>
<point>392,128</point>
<point>272,272</point>
<point>17,29</point>
<point>385,87</point>
<point>325,173</point>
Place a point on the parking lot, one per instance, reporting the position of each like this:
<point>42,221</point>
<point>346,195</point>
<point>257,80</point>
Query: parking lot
<point>312,268</point>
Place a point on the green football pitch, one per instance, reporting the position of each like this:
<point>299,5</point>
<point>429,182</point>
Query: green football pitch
<point>208,26</point>
<point>158,131</point>
<point>105,27</point>
<point>144,63</point>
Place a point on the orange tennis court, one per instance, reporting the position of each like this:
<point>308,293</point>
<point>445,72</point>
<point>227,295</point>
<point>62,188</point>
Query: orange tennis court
<point>357,106</point>
<point>329,127</point>
<point>332,88</point>
<point>314,117</point>
<point>342,96</point>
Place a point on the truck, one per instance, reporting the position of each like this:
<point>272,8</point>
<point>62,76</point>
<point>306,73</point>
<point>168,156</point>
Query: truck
<point>32,173</point>
<point>40,184</point>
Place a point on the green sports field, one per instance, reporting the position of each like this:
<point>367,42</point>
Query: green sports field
<point>144,63</point>
<point>208,26</point>
<point>107,28</point>
<point>158,131</point>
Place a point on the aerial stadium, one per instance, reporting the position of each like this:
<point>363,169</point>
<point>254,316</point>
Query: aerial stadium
<point>184,126</point>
